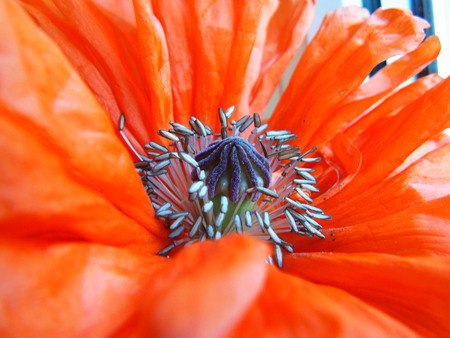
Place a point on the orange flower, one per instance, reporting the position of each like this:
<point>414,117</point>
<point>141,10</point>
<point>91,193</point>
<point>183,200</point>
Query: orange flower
<point>79,239</point>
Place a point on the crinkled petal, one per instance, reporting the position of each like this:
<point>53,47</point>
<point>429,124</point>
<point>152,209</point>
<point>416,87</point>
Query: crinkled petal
<point>348,46</point>
<point>425,180</point>
<point>67,174</point>
<point>407,214</point>
<point>104,44</point>
<point>377,88</point>
<point>177,20</point>
<point>210,44</point>
<point>387,143</point>
<point>294,307</point>
<point>281,30</point>
<point>161,61</point>
<point>206,288</point>
<point>74,289</point>
<point>419,230</point>
<point>155,62</point>
<point>412,290</point>
<point>342,160</point>
<point>70,289</point>
<point>437,141</point>
<point>391,105</point>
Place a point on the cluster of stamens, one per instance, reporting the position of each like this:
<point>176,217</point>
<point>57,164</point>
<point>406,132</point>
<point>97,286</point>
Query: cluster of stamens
<point>204,185</point>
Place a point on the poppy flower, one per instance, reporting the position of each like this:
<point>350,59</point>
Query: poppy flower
<point>79,242</point>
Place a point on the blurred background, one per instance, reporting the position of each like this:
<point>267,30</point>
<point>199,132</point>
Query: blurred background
<point>436,12</point>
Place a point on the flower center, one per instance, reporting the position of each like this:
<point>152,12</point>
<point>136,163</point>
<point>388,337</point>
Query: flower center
<point>205,185</point>
<point>232,166</point>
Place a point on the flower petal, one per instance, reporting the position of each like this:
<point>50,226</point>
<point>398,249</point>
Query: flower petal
<point>343,161</point>
<point>387,143</point>
<point>210,43</point>
<point>155,61</point>
<point>293,307</point>
<point>177,20</point>
<point>425,180</point>
<point>392,105</point>
<point>437,141</point>
<point>101,41</point>
<point>419,230</point>
<point>413,290</point>
<point>70,289</point>
<point>280,32</point>
<point>377,88</point>
<point>206,288</point>
<point>67,175</point>
<point>346,48</point>
<point>407,214</point>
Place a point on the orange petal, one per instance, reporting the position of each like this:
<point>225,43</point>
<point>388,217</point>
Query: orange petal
<point>387,143</point>
<point>425,180</point>
<point>156,67</point>
<point>377,87</point>
<point>229,56</point>
<point>293,307</point>
<point>404,215</point>
<point>67,175</point>
<point>419,230</point>
<point>346,48</point>
<point>210,43</point>
<point>206,288</point>
<point>437,141</point>
<point>210,47</point>
<point>281,30</point>
<point>176,18</point>
<point>101,40</point>
<point>392,104</point>
<point>221,50</point>
<point>70,290</point>
<point>413,290</point>
<point>343,160</point>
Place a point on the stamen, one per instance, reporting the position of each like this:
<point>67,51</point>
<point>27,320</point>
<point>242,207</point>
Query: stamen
<point>195,227</point>
<point>156,146</point>
<point>206,185</point>
<point>260,221</point>
<point>121,122</point>
<point>238,223</point>
<point>230,111</point>
<point>248,218</point>
<point>256,120</point>
<point>177,232</point>
<point>268,192</point>
<point>176,223</point>
<point>168,135</point>
<point>278,256</point>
